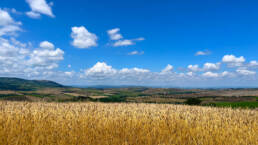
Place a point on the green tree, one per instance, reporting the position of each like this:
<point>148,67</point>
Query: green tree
<point>193,101</point>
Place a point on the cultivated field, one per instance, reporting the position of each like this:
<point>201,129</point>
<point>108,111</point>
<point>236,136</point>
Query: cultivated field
<point>237,98</point>
<point>23,123</point>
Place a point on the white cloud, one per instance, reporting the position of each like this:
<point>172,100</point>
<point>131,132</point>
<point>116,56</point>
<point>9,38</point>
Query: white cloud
<point>210,74</point>
<point>47,45</point>
<point>33,15</point>
<point>227,74</point>
<point>123,43</point>
<point>167,69</point>
<point>136,75</point>
<point>133,75</point>
<point>69,73</point>
<point>245,72</point>
<point>46,58</point>
<point>7,50</point>
<point>100,68</point>
<point>233,61</point>
<point>190,73</point>
<point>17,60</point>
<point>114,34</point>
<point>102,71</point>
<point>202,53</point>
<point>253,64</point>
<point>139,39</point>
<point>5,18</point>
<point>12,10</point>
<point>9,30</point>
<point>193,68</point>
<point>133,70</point>
<point>7,25</point>
<point>82,38</point>
<point>127,42</point>
<point>39,7</point>
<point>136,53</point>
<point>224,74</point>
<point>211,66</point>
<point>69,66</point>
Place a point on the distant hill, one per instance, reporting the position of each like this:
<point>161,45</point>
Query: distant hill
<point>109,86</point>
<point>26,85</point>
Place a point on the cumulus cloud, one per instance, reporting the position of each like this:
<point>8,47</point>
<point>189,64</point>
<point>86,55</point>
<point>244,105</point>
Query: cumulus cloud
<point>82,38</point>
<point>167,69</point>
<point>9,30</point>
<point>136,53</point>
<point>101,71</point>
<point>100,68</point>
<point>211,66</point>
<point>7,25</point>
<point>39,7</point>
<point>46,45</point>
<point>18,60</point>
<point>133,75</point>
<point>253,64</point>
<point>114,34</point>
<point>233,61</point>
<point>193,68</point>
<point>46,58</point>
<point>33,15</point>
<point>190,74</point>
<point>206,52</point>
<point>210,74</point>
<point>123,43</point>
<point>6,19</point>
<point>225,73</point>
<point>139,39</point>
<point>12,10</point>
<point>69,73</point>
<point>245,72</point>
<point>133,70</point>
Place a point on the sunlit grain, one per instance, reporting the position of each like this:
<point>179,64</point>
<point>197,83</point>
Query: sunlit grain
<point>24,123</point>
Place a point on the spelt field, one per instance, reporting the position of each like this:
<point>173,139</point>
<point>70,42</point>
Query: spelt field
<point>23,123</point>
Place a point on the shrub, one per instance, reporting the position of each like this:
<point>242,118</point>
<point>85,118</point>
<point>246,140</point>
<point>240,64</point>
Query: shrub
<point>193,101</point>
<point>113,99</point>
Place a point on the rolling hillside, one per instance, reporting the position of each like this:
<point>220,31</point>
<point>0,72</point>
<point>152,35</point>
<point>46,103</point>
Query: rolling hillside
<point>26,85</point>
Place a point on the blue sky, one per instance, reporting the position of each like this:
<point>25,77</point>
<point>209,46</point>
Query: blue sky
<point>156,43</point>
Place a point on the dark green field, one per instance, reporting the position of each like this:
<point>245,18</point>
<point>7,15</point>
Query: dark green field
<point>251,105</point>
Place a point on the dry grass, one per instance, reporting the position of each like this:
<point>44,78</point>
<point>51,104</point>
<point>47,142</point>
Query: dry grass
<point>98,97</point>
<point>73,94</point>
<point>7,92</point>
<point>154,99</point>
<point>124,124</point>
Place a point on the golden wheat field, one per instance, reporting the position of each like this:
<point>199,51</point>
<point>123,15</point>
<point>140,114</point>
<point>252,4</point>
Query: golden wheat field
<point>23,123</point>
